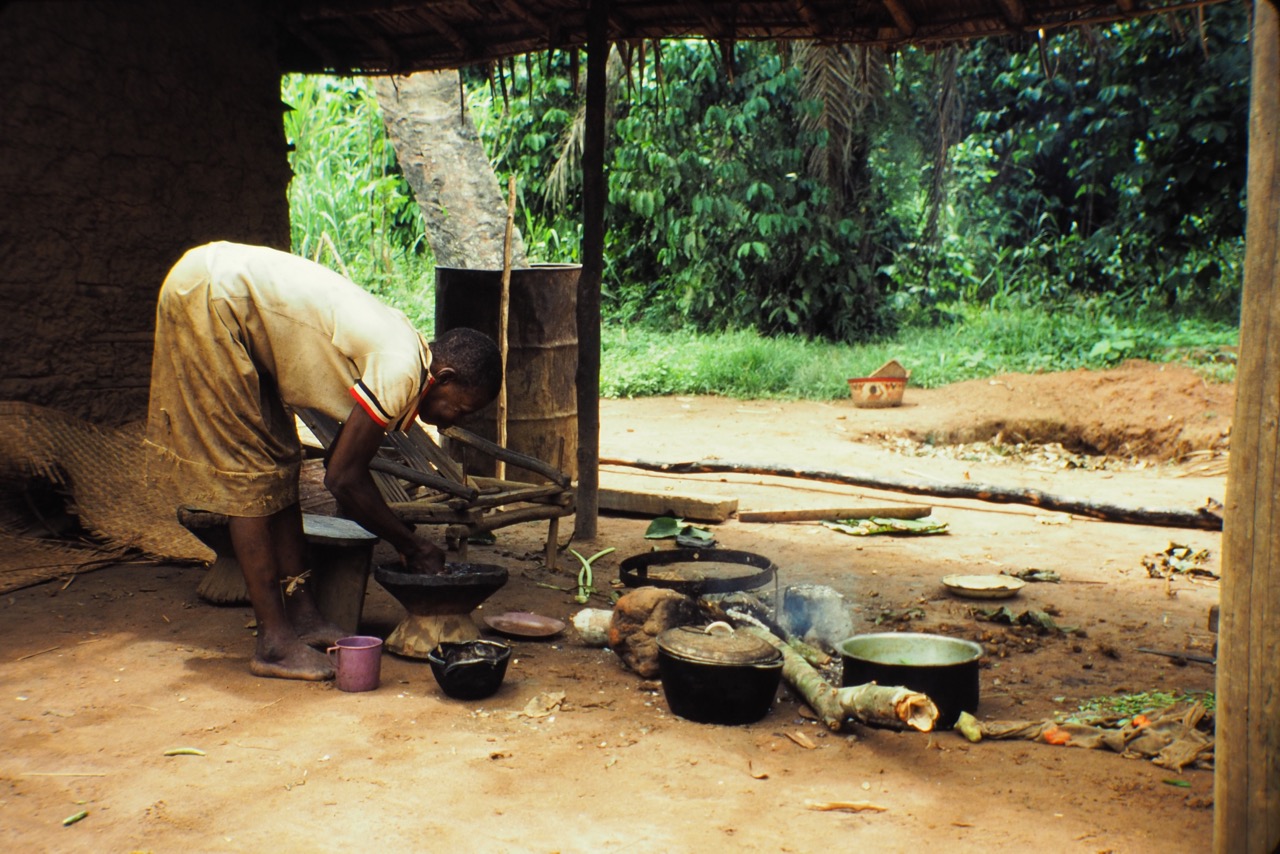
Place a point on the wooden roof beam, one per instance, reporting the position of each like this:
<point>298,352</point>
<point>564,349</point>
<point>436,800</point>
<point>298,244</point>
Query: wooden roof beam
<point>715,25</point>
<point>447,30</point>
<point>345,9</point>
<point>1015,13</point>
<point>518,10</point>
<point>392,60</point>
<point>902,18</point>
<point>319,48</point>
<point>811,17</point>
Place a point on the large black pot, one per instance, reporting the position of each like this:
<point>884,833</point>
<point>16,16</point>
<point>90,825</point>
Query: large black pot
<point>945,669</point>
<point>718,677</point>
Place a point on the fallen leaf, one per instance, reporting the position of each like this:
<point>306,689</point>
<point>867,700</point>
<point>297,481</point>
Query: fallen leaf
<point>801,739</point>
<point>847,806</point>
<point>184,751</point>
<point>543,704</point>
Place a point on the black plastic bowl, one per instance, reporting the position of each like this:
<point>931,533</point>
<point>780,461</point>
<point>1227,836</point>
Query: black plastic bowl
<point>470,670</point>
<point>945,669</point>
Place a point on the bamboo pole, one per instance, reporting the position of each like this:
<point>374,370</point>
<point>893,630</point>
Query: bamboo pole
<point>504,309</point>
<point>1246,783</point>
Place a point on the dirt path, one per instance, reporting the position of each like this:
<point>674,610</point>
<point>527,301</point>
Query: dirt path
<point>100,677</point>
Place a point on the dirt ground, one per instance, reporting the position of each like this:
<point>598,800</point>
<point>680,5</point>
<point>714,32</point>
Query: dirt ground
<point>101,676</point>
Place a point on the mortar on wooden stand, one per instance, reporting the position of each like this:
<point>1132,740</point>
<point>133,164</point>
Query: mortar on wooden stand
<point>439,606</point>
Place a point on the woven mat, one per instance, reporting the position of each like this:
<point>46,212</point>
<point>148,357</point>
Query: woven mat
<point>101,471</point>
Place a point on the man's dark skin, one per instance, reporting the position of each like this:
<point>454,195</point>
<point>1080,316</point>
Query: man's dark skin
<point>272,548</point>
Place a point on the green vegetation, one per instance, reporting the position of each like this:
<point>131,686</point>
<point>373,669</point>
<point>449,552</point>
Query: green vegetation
<point>638,362</point>
<point>775,230</point>
<point>1128,705</point>
<point>349,206</point>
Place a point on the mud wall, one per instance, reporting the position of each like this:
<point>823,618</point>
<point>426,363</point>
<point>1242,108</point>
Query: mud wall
<point>132,131</point>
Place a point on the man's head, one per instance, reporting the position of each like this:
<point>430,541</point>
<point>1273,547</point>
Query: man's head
<point>467,368</point>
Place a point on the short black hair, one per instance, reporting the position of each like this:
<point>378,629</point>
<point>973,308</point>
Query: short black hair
<point>473,355</point>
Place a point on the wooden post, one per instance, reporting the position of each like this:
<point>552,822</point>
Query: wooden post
<point>1247,751</point>
<point>504,309</point>
<point>593,198</point>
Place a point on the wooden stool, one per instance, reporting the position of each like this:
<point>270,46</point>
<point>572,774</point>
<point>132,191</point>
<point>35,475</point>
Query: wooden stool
<point>339,554</point>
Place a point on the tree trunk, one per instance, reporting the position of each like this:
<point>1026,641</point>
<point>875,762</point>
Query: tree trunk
<point>445,163</point>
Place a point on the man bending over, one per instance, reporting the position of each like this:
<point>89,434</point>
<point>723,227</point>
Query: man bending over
<point>244,334</point>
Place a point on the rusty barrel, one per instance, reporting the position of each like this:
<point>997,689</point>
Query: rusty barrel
<point>542,359</point>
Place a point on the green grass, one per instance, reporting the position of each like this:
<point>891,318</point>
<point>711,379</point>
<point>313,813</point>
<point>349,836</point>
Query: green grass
<point>981,343</point>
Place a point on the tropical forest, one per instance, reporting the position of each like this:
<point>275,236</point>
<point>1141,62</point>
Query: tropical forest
<point>781,216</point>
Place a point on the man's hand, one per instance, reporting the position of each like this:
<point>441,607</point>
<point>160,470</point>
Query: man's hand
<point>426,560</point>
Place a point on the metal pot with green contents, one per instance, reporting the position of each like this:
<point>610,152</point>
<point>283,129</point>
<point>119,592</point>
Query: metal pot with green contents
<point>943,668</point>
<point>715,675</point>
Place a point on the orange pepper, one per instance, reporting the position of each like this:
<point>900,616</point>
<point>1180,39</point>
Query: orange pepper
<point>1056,735</point>
<point>1139,721</point>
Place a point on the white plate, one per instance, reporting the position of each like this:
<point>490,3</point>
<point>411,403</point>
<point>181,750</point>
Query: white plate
<point>984,586</point>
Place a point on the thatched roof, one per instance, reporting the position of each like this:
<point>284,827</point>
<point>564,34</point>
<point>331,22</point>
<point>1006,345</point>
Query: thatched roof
<point>401,36</point>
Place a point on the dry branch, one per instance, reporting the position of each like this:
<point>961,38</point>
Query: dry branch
<point>878,705</point>
<point>819,514</point>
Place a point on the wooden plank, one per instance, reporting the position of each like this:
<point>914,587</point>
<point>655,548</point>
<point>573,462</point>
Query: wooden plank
<point>1246,781</point>
<point>1203,518</point>
<point>819,514</point>
<point>684,505</point>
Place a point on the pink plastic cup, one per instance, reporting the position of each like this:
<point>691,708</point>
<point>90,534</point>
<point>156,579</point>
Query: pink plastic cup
<point>358,662</point>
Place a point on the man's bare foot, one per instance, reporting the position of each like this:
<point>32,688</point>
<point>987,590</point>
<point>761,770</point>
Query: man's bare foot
<point>297,661</point>
<point>311,626</point>
<point>321,634</point>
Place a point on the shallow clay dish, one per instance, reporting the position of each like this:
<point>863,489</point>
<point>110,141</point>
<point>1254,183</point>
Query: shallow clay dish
<point>984,586</point>
<point>524,624</point>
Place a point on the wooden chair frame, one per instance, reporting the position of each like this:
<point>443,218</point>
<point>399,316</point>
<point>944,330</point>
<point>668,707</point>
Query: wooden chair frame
<point>423,485</point>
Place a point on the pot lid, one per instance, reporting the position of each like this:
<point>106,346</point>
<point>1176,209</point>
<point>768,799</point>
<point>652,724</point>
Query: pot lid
<point>717,643</point>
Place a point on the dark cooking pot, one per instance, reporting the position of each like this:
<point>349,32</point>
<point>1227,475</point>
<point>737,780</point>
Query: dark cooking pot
<point>716,675</point>
<point>945,669</point>
<point>470,670</point>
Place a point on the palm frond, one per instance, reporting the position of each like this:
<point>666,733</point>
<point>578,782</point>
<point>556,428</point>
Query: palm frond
<point>566,174</point>
<point>847,80</point>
